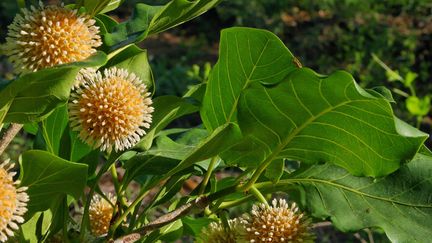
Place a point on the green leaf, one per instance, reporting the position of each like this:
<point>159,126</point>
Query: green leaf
<point>275,170</point>
<point>167,148</point>
<point>410,77</point>
<point>3,110</point>
<point>112,5</point>
<point>143,164</point>
<point>167,109</point>
<point>194,226</point>
<point>417,106</point>
<point>327,120</point>
<point>49,178</point>
<point>73,148</point>
<point>106,23</point>
<point>54,126</point>
<point>33,96</point>
<point>246,56</point>
<point>135,60</point>
<point>219,140</point>
<point>101,6</point>
<point>36,227</point>
<point>165,155</point>
<point>147,20</point>
<point>188,140</point>
<point>168,233</point>
<point>400,203</point>
<point>383,92</point>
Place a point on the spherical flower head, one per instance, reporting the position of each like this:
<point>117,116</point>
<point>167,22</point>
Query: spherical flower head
<point>45,36</point>
<point>110,110</point>
<point>218,233</point>
<point>13,202</point>
<point>277,223</point>
<point>100,214</point>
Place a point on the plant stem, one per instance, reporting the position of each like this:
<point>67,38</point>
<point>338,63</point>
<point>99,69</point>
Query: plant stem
<point>419,121</point>
<point>254,191</point>
<point>387,68</point>
<point>401,92</point>
<point>258,173</point>
<point>134,214</point>
<point>412,90</point>
<point>230,204</point>
<point>208,175</point>
<point>10,133</point>
<point>114,176</point>
<point>135,203</point>
<point>322,224</point>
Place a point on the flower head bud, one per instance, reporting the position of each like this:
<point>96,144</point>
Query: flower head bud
<point>218,233</point>
<point>100,214</point>
<point>277,223</point>
<point>13,202</point>
<point>110,110</point>
<point>45,36</point>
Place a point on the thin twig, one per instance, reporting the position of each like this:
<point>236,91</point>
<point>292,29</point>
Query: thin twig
<point>358,237</point>
<point>198,204</point>
<point>370,235</point>
<point>9,134</point>
<point>322,224</point>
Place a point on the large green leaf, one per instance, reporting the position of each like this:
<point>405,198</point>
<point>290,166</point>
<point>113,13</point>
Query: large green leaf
<point>49,178</point>
<point>33,96</point>
<point>245,56</point>
<point>289,112</point>
<point>312,119</point>
<point>400,204</point>
<point>147,20</point>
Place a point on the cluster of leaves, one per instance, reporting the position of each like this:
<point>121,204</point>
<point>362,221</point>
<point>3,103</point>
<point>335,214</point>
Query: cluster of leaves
<point>360,166</point>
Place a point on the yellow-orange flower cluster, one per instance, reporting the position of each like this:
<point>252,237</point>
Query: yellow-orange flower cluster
<point>45,36</point>
<point>13,202</point>
<point>218,233</point>
<point>110,110</point>
<point>277,223</point>
<point>100,214</point>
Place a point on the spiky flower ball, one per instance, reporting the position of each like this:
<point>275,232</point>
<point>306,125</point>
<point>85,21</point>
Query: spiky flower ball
<point>110,110</point>
<point>218,233</point>
<point>100,214</point>
<point>277,223</point>
<point>45,36</point>
<point>13,202</point>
